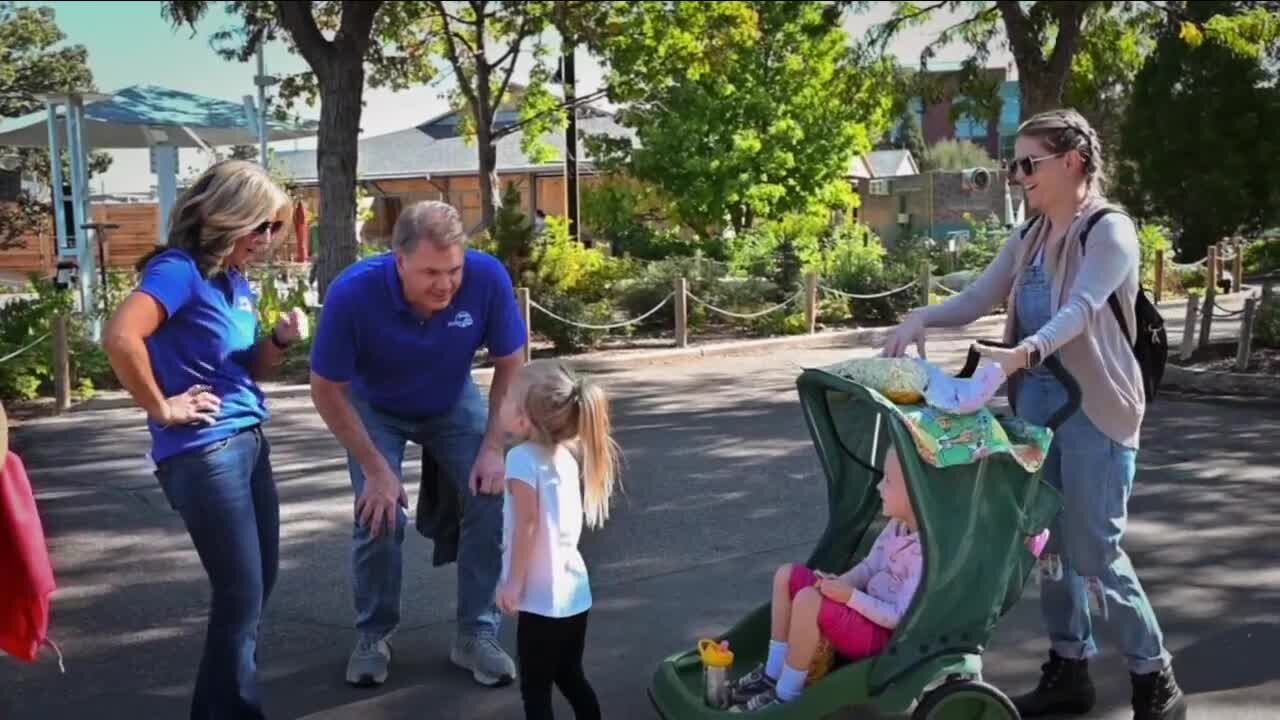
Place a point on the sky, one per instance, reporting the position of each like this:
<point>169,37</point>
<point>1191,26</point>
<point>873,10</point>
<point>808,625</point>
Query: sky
<point>130,43</point>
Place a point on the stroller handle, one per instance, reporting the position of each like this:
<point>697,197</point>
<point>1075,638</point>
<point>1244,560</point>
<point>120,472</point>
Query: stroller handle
<point>1052,363</point>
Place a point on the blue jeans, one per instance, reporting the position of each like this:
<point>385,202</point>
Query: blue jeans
<point>226,495</point>
<point>1095,475</point>
<point>453,440</point>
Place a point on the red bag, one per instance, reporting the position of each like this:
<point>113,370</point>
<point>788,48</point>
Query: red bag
<point>24,565</point>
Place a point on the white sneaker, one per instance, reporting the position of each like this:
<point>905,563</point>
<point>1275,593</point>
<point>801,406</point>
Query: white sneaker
<point>489,664</point>
<point>367,666</point>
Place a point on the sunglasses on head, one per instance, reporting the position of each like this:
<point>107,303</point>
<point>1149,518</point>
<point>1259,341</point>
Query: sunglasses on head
<point>268,226</point>
<point>1026,165</point>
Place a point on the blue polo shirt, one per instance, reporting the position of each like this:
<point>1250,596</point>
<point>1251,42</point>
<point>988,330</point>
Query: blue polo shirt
<point>207,338</point>
<point>398,361</point>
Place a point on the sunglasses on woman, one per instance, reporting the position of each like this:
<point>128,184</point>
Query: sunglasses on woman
<point>268,226</point>
<point>1026,165</point>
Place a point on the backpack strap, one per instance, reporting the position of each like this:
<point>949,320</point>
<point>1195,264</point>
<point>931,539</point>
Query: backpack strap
<point>1113,300</point>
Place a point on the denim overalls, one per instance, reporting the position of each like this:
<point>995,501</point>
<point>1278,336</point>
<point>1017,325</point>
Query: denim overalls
<point>1083,561</point>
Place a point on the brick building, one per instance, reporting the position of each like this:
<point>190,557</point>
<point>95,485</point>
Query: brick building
<point>932,204</point>
<point>938,121</point>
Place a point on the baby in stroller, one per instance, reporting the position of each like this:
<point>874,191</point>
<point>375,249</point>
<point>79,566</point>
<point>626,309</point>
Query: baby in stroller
<point>855,612</point>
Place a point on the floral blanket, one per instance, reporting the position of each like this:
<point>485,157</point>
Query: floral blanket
<point>945,439</point>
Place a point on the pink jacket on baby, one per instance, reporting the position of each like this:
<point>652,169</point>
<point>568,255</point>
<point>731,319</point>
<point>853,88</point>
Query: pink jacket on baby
<point>886,580</point>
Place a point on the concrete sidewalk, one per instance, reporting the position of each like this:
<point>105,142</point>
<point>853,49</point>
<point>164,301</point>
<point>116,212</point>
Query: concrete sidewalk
<point>722,484</point>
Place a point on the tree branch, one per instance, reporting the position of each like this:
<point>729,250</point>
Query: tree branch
<point>451,53</point>
<point>516,126</point>
<point>890,26</point>
<point>356,31</point>
<point>1024,36</point>
<point>1070,17</point>
<point>296,17</point>
<point>511,69</point>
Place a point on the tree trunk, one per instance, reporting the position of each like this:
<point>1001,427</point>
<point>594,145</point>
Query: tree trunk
<point>485,113</point>
<point>490,187</point>
<point>337,151</point>
<point>1040,92</point>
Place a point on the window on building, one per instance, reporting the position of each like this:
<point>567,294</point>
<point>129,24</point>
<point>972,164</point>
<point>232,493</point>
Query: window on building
<point>969,127</point>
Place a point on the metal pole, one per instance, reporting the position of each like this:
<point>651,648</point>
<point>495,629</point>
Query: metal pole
<point>261,82</point>
<point>80,208</point>
<point>55,171</point>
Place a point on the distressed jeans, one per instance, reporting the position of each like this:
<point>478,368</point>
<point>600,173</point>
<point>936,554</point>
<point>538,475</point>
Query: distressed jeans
<point>453,439</point>
<point>226,495</point>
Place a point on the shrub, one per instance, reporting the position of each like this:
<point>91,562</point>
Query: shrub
<point>561,266</point>
<point>1267,325</point>
<point>513,234</point>
<point>857,263</point>
<point>572,338</point>
<point>985,241</point>
<point>1151,240</point>
<point>30,374</point>
<point>1262,256</point>
<point>956,155</point>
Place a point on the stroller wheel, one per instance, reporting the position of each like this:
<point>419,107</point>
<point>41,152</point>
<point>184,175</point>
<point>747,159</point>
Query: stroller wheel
<point>965,700</point>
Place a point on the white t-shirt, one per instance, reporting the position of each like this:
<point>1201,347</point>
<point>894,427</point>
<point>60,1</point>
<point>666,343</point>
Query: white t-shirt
<point>556,584</point>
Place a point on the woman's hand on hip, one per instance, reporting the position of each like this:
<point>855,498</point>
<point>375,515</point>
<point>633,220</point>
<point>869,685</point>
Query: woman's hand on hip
<point>197,406</point>
<point>910,330</point>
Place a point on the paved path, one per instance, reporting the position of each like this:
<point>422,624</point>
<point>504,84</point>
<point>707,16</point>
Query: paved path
<point>722,485</point>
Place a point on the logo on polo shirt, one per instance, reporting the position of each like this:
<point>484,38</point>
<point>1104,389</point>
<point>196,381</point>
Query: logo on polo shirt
<point>462,320</point>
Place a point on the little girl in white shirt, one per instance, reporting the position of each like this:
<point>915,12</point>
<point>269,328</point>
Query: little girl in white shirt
<point>544,578</point>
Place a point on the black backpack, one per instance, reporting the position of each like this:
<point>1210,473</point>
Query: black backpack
<point>1151,345</point>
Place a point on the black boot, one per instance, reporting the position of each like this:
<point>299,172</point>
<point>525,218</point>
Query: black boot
<point>1065,688</point>
<point>1156,696</point>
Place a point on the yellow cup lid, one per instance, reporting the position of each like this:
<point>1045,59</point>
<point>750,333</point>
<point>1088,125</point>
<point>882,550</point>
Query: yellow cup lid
<point>713,655</point>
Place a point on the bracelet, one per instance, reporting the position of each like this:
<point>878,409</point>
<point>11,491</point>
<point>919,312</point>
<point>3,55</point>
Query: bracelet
<point>276,341</point>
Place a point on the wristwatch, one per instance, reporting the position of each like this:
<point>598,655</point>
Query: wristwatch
<point>1033,357</point>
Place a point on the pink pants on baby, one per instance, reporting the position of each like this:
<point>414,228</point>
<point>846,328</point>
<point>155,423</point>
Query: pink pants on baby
<point>849,631</point>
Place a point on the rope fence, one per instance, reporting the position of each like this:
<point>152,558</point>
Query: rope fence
<point>746,316</point>
<point>937,285</point>
<point>24,348</point>
<point>611,326</point>
<point>872,296</point>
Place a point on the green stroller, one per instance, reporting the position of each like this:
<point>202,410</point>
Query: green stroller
<point>973,519</point>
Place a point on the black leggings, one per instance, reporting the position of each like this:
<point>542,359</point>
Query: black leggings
<point>550,651</point>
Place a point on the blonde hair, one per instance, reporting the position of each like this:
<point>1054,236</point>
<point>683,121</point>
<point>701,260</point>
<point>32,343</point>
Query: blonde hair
<point>1065,130</point>
<point>560,408</point>
<point>227,202</point>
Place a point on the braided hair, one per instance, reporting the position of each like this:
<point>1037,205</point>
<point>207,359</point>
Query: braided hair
<point>1066,130</point>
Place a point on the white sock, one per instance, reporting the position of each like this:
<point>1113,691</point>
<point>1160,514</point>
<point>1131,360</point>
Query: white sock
<point>791,684</point>
<point>777,656</point>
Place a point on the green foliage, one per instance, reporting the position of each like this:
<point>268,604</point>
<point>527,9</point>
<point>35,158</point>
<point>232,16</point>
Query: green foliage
<point>277,294</point>
<point>1152,239</point>
<point>633,218</point>
<point>956,155</point>
<point>985,241</point>
<point>30,374</point>
<point>1262,256</point>
<point>1111,53</point>
<point>741,110</point>
<point>857,263</point>
<point>571,338</point>
<point>513,234</point>
<point>561,266</point>
<point>1267,325</point>
<point>1206,166</point>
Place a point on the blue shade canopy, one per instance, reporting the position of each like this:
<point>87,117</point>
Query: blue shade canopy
<point>144,115</point>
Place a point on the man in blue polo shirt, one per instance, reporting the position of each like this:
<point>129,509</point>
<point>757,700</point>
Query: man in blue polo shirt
<point>391,364</point>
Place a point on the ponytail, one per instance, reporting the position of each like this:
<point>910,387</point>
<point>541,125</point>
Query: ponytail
<point>599,451</point>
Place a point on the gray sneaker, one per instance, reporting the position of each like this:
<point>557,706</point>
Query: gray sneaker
<point>765,700</point>
<point>750,685</point>
<point>488,662</point>
<point>367,666</point>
